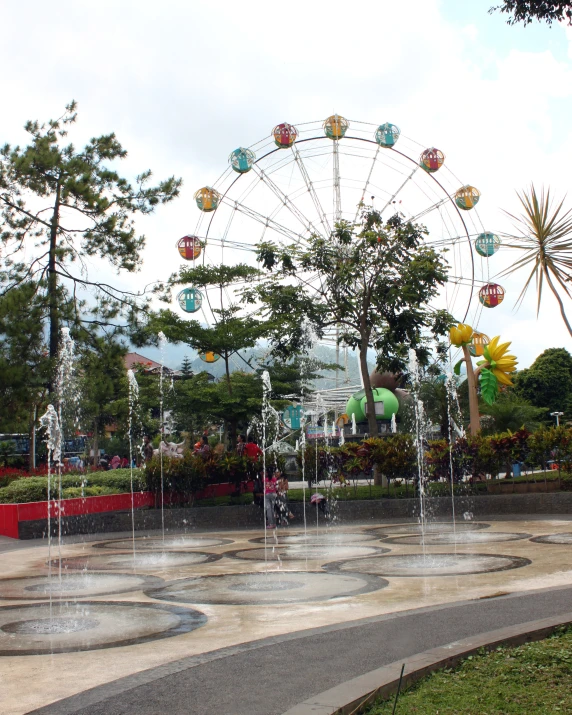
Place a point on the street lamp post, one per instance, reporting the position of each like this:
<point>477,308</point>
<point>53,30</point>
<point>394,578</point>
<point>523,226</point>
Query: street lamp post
<point>558,415</point>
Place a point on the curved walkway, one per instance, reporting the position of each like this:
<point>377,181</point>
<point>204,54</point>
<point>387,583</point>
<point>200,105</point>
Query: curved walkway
<point>270,676</point>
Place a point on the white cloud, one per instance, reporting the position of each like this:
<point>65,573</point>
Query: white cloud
<point>183,84</point>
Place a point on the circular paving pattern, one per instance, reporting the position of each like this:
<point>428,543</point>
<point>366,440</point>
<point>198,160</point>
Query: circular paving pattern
<point>302,552</point>
<point>463,537</point>
<point>429,564</point>
<point>434,527</point>
<point>90,625</point>
<point>157,543</point>
<point>564,538</point>
<point>268,588</point>
<point>77,585</point>
<point>146,561</point>
<point>324,537</point>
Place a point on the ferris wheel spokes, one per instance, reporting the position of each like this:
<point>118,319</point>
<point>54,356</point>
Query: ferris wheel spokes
<point>394,196</point>
<point>311,190</point>
<point>428,210</point>
<point>337,192</point>
<point>285,200</point>
<point>264,220</point>
<point>367,182</point>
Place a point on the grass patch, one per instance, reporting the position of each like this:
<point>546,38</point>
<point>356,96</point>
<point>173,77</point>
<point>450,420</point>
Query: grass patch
<point>533,679</point>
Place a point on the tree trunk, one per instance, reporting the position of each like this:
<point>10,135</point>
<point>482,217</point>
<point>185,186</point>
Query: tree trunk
<point>227,371</point>
<point>231,432</point>
<point>370,404</point>
<point>379,478</point>
<point>95,444</point>
<point>32,437</point>
<point>53,282</point>
<point>475,421</point>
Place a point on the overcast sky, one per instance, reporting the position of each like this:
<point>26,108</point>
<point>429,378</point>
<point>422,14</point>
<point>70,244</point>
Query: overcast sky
<point>184,83</point>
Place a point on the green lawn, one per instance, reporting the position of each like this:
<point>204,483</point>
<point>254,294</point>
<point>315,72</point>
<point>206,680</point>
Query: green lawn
<point>534,679</point>
<point>351,493</point>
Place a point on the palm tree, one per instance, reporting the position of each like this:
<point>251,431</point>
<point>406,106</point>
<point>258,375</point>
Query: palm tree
<point>510,412</point>
<point>546,239</point>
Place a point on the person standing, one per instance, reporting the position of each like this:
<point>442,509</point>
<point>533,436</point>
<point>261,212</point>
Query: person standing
<point>270,486</point>
<point>319,501</point>
<point>147,448</point>
<point>240,444</point>
<point>205,449</point>
<point>283,508</point>
<point>252,450</point>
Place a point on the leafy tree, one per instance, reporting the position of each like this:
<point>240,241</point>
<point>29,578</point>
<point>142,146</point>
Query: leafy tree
<point>103,388</point>
<point>526,11</point>
<point>292,379</point>
<point>548,381</point>
<point>545,239</point>
<point>511,412</point>
<point>199,402</point>
<point>372,279</point>
<point>23,360</point>
<point>231,332</point>
<point>71,203</point>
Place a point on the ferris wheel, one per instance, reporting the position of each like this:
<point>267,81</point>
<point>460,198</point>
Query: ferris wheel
<point>302,179</point>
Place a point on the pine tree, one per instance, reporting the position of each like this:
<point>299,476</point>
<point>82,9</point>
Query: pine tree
<point>59,204</point>
<point>186,369</point>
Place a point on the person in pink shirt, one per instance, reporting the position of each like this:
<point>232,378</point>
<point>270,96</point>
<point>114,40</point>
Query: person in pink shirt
<point>270,487</point>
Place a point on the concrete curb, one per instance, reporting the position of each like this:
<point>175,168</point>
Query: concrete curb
<point>355,695</point>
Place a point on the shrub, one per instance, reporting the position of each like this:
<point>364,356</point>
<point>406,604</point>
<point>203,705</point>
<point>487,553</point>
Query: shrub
<point>183,476</point>
<point>32,489</point>
<point>78,492</point>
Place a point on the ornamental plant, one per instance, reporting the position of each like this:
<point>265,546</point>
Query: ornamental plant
<point>496,368</point>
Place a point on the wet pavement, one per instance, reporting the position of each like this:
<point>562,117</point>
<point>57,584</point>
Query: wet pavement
<point>212,608</point>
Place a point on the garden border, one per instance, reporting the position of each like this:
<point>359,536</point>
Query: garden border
<point>353,696</point>
<point>250,516</point>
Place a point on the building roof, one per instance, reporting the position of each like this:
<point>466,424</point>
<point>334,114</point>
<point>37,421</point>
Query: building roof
<point>132,359</point>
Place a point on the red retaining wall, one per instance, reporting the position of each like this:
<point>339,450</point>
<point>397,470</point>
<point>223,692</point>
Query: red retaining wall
<point>11,514</point>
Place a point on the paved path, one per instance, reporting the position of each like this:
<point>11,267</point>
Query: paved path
<point>270,676</point>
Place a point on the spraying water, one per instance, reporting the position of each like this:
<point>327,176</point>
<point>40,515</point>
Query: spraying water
<point>162,342</point>
<point>320,411</point>
<point>452,399</point>
<point>133,401</point>
<point>354,425</point>
<point>266,390</point>
<point>50,422</point>
<point>303,451</point>
<point>67,400</point>
<point>393,424</point>
<point>420,434</point>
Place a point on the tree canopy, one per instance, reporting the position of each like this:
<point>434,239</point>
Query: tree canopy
<point>60,204</point>
<point>232,330</point>
<point>372,281</point>
<point>23,358</point>
<point>548,381</point>
<point>526,11</point>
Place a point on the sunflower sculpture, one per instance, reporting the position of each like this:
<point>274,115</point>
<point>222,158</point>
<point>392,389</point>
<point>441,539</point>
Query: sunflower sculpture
<point>497,367</point>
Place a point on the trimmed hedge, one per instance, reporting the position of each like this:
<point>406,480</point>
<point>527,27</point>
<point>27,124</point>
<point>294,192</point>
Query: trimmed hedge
<point>30,489</point>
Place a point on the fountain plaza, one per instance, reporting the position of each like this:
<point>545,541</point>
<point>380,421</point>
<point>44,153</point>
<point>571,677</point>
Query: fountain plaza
<point>116,609</point>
